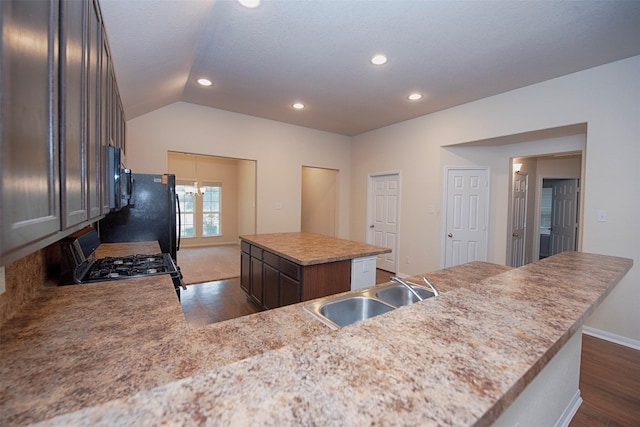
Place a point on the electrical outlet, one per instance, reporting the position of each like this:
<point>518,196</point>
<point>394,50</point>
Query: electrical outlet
<point>603,216</point>
<point>407,260</point>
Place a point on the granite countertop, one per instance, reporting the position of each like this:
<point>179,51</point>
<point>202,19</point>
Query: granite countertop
<point>418,363</point>
<point>126,248</point>
<point>310,248</point>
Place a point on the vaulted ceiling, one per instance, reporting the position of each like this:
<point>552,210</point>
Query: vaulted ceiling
<point>318,52</point>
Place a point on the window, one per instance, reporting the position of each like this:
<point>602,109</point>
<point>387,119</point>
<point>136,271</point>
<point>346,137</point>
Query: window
<point>545,211</point>
<point>186,217</point>
<point>200,209</point>
<point>211,210</point>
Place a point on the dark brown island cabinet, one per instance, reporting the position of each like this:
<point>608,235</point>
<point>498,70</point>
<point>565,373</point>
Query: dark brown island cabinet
<point>285,268</point>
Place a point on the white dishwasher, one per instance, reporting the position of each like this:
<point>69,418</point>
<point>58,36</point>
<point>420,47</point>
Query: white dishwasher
<point>363,272</point>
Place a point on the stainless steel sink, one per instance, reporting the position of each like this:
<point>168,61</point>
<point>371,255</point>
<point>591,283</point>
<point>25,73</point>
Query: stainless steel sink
<point>398,295</point>
<point>353,309</point>
<point>343,310</point>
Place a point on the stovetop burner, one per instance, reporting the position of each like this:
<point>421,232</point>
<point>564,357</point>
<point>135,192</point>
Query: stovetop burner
<point>77,264</point>
<point>129,266</point>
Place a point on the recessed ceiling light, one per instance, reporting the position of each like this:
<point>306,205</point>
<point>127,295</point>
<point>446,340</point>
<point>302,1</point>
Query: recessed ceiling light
<point>251,4</point>
<point>415,96</point>
<point>204,82</point>
<point>298,105</point>
<point>379,59</point>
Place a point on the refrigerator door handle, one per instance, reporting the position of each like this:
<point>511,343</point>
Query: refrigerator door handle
<point>179,222</point>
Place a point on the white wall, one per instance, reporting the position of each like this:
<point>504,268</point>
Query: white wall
<point>607,98</point>
<point>319,200</point>
<point>247,199</point>
<point>279,149</point>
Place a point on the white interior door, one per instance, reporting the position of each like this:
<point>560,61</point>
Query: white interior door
<point>564,216</point>
<point>519,218</point>
<point>467,206</point>
<point>384,195</point>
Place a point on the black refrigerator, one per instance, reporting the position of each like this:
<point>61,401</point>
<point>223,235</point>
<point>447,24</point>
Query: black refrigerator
<point>150,215</point>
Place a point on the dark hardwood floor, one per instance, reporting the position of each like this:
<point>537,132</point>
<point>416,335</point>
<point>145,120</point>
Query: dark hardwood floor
<point>213,302</point>
<point>609,373</point>
<point>609,385</point>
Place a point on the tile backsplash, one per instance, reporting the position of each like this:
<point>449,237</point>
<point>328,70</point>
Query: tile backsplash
<point>22,281</point>
<point>2,285</point>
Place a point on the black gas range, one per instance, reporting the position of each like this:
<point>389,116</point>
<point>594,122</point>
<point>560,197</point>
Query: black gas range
<point>79,266</point>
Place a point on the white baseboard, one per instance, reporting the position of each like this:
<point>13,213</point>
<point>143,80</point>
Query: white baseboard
<point>570,410</point>
<point>611,337</point>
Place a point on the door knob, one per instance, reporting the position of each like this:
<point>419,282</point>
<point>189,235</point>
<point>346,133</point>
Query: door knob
<point>514,235</point>
<point>371,226</point>
<point>450,234</point>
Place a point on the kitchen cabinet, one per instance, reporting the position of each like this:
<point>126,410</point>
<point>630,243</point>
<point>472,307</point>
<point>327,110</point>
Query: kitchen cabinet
<point>105,64</point>
<point>60,107</point>
<point>256,275</point>
<point>245,272</point>
<point>251,272</point>
<point>95,151</point>
<point>271,287</point>
<point>272,281</point>
<point>289,290</point>
<point>73,96</point>
<point>30,193</point>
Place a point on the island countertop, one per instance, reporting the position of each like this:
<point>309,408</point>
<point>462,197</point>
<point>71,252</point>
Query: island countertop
<point>416,364</point>
<point>311,248</point>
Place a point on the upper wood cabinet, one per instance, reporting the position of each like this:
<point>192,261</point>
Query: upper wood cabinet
<point>73,112</point>
<point>94,116</point>
<point>30,202</point>
<point>60,110</point>
<point>105,64</point>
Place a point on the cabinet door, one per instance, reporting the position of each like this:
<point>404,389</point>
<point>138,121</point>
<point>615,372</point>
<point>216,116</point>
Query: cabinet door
<point>112,97</point>
<point>104,123</point>
<point>73,113</point>
<point>271,289</point>
<point>29,202</point>
<point>245,272</point>
<point>256,280</point>
<point>289,290</point>
<point>94,60</point>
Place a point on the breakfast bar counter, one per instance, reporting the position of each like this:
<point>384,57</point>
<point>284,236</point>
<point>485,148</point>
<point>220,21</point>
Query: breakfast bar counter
<point>457,359</point>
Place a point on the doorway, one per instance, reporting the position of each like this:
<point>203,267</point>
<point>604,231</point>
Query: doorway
<point>217,197</point>
<point>383,213</point>
<point>319,210</point>
<point>559,213</point>
<point>551,202</point>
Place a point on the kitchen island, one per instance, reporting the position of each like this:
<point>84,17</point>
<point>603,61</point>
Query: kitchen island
<point>458,359</point>
<point>279,269</point>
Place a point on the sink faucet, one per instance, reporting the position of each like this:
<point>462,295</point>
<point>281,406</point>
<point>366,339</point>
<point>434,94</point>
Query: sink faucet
<point>433,288</point>
<point>406,285</point>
